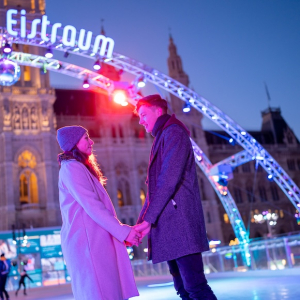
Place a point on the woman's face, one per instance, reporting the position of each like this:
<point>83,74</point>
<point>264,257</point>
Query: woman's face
<point>85,145</point>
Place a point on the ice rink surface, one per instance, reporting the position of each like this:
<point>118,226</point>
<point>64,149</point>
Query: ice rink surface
<point>251,285</point>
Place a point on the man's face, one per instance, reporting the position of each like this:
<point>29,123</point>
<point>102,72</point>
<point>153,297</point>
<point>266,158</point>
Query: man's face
<point>148,116</point>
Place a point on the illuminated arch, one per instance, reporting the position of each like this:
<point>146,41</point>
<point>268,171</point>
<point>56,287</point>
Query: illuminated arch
<point>123,192</point>
<point>253,150</point>
<point>120,198</point>
<point>27,159</point>
<point>32,152</point>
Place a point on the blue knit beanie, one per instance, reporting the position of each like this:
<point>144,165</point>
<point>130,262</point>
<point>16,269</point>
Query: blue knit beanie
<point>69,136</point>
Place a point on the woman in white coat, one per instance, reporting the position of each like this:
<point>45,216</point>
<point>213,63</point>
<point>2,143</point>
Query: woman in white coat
<point>92,238</point>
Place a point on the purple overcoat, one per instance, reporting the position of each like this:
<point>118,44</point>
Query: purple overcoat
<point>92,238</point>
<point>173,204</point>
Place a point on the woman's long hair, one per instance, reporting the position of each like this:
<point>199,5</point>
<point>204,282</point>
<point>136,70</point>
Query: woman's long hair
<point>89,161</point>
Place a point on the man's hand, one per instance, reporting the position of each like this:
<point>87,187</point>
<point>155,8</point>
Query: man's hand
<point>133,237</point>
<point>143,228</point>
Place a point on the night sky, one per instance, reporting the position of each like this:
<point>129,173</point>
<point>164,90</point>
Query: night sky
<point>229,48</point>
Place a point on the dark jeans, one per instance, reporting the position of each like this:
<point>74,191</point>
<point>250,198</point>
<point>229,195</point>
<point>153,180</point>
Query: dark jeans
<point>20,284</point>
<point>3,279</point>
<point>189,279</point>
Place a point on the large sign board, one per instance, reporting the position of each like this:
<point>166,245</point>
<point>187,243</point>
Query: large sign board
<point>41,256</point>
<point>16,26</point>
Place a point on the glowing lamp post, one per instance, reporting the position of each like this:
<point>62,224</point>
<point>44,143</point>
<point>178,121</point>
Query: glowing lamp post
<point>120,97</point>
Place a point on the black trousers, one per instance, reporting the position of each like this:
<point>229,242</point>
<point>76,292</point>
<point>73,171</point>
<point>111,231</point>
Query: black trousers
<point>189,278</point>
<point>20,284</point>
<point>3,279</point>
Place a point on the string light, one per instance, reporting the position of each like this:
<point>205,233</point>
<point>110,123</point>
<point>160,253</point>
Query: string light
<point>49,53</point>
<point>85,84</point>
<point>97,65</point>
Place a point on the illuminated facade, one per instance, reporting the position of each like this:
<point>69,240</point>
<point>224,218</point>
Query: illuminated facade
<point>121,144</point>
<point>28,165</point>
<point>251,189</point>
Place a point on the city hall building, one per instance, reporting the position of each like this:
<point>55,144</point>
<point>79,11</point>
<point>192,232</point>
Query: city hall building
<point>31,111</point>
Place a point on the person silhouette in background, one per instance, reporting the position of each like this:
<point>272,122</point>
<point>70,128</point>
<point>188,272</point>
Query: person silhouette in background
<point>4,271</point>
<point>22,281</point>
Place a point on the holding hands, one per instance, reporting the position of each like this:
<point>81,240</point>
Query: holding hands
<point>133,237</point>
<point>143,228</point>
<point>137,233</point>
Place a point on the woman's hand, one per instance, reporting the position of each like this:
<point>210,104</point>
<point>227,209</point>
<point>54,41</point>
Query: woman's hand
<point>144,228</point>
<point>133,238</point>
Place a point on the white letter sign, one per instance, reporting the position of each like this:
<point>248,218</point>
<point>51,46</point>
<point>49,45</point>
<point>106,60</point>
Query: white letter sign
<point>102,45</point>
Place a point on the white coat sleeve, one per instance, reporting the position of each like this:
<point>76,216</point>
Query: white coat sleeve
<point>75,179</point>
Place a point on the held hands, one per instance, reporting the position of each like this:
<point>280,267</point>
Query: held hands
<point>143,228</point>
<point>133,237</point>
<point>137,233</point>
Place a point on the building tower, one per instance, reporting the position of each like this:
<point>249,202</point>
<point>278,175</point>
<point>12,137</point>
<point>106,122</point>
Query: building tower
<point>193,121</point>
<point>28,166</point>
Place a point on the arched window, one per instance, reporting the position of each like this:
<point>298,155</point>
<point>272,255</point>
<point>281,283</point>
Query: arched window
<point>28,188</point>
<point>142,197</point>
<point>128,194</point>
<point>33,188</point>
<point>226,219</point>
<point>120,198</point>
<point>28,183</point>
<point>124,195</point>
<point>27,159</point>
<point>42,5</point>
<point>23,189</point>
<point>33,4</point>
<point>27,76</point>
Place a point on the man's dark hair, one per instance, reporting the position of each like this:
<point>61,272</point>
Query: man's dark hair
<point>152,100</point>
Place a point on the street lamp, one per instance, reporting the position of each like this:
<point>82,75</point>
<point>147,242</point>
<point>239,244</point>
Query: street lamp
<point>268,217</point>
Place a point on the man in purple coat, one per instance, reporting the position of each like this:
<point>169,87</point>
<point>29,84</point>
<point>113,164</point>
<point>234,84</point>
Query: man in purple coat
<point>172,215</point>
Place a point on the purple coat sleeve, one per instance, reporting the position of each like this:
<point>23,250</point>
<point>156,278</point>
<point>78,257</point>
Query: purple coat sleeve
<point>77,183</point>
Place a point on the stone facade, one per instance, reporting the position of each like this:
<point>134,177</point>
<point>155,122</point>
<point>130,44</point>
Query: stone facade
<point>28,167</point>
<point>31,111</point>
<point>252,191</point>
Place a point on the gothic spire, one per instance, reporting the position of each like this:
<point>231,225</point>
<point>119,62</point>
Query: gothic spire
<point>175,64</point>
<point>102,27</point>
